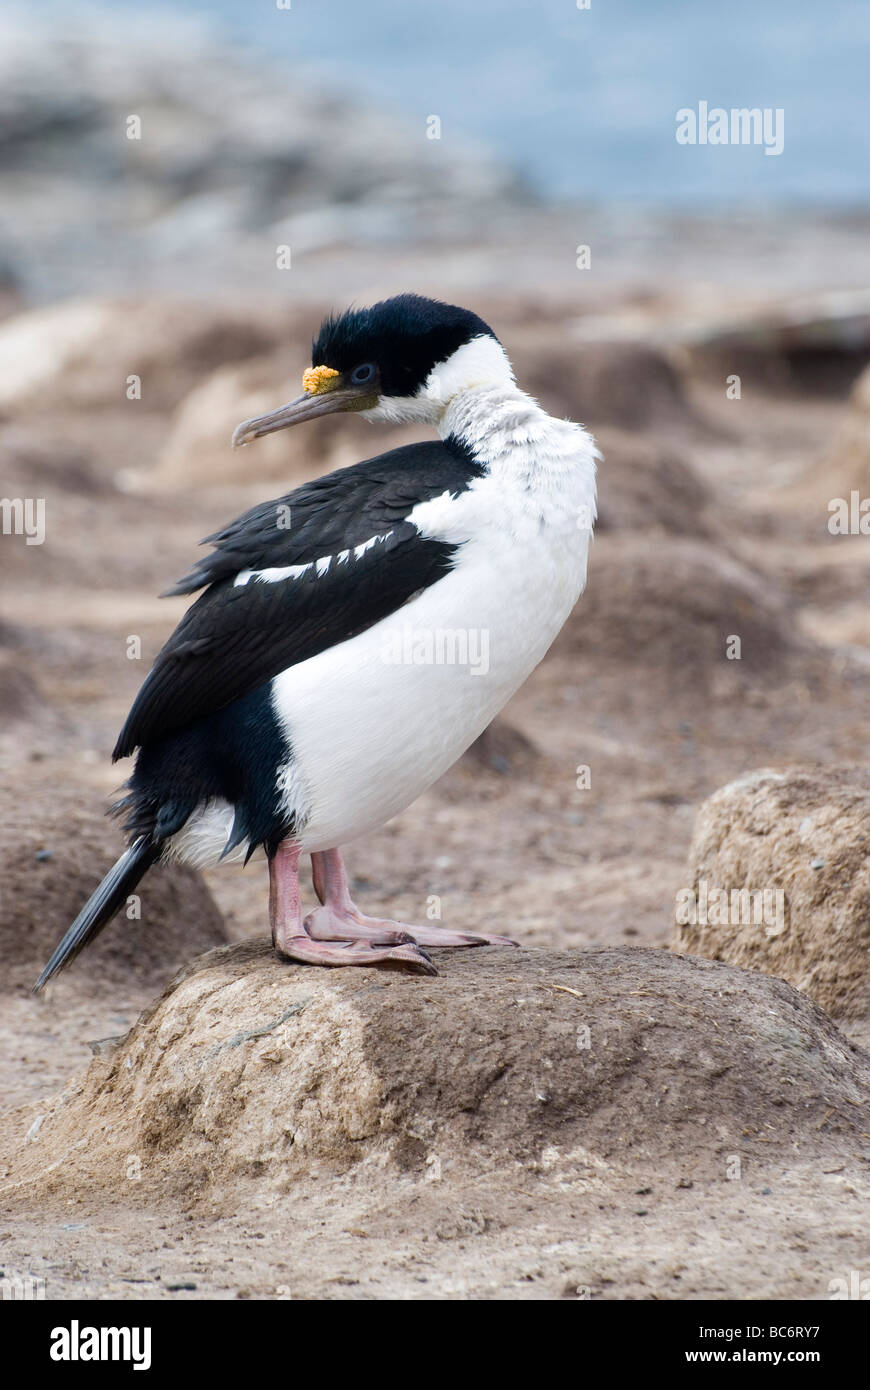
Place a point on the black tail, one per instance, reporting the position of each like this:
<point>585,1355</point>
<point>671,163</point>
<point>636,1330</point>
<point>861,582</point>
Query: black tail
<point>102,905</point>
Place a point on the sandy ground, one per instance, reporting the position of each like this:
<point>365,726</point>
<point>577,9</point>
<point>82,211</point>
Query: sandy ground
<point>638,690</point>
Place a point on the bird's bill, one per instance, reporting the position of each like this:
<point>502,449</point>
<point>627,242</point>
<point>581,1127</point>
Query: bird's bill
<point>308,406</point>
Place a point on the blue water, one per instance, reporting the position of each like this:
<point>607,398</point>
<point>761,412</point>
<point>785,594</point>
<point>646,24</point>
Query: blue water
<point>583,102</point>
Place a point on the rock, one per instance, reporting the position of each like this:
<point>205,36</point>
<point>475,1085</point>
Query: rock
<point>169,154</point>
<point>847,463</point>
<point>644,485</point>
<point>491,767</point>
<point>80,353</point>
<point>55,849</point>
<point>828,496</point>
<point>668,607</point>
<point>248,1067</point>
<point>809,343</point>
<point>627,384</point>
<point>36,466</point>
<point>20,697</point>
<point>198,450</point>
<point>25,713</point>
<point>805,832</point>
<point>502,749</point>
<point>198,445</point>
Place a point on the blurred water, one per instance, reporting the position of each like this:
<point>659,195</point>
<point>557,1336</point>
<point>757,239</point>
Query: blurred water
<point>583,102</point>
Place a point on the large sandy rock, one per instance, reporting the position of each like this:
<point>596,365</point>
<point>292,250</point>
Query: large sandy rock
<point>805,833</point>
<point>249,1067</point>
<point>55,846</point>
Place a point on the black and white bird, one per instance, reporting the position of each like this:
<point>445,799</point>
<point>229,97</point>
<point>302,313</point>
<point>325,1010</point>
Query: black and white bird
<point>323,679</point>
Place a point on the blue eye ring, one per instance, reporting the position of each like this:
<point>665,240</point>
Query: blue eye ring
<point>361,375</point>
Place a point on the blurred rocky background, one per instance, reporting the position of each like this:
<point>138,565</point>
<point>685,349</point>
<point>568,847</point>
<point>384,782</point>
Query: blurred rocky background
<point>716,338</point>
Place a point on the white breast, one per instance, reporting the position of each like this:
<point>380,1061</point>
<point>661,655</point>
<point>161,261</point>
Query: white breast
<point>376,720</point>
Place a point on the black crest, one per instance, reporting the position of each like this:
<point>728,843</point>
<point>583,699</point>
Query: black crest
<point>403,337</point>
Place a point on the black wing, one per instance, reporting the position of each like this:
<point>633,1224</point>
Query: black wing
<point>237,636</point>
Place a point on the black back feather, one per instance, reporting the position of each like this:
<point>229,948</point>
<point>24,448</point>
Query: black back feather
<point>236,637</point>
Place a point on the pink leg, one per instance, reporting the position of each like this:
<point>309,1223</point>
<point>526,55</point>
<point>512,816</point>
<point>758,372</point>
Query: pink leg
<point>291,939</point>
<point>339,919</point>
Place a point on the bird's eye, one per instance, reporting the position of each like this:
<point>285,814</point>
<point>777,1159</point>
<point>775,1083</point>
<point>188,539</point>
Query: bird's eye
<point>360,375</point>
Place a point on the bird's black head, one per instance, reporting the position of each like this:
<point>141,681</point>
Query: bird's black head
<point>395,344</point>
<point>394,361</point>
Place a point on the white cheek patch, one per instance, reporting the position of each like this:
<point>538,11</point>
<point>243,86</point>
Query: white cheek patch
<point>482,362</point>
<point>400,410</point>
<point>320,567</point>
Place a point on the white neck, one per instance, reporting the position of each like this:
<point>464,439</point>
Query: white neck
<point>478,365</point>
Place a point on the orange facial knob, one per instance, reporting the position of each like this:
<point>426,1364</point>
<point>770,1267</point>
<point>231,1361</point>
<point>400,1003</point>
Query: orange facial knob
<point>316,380</point>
